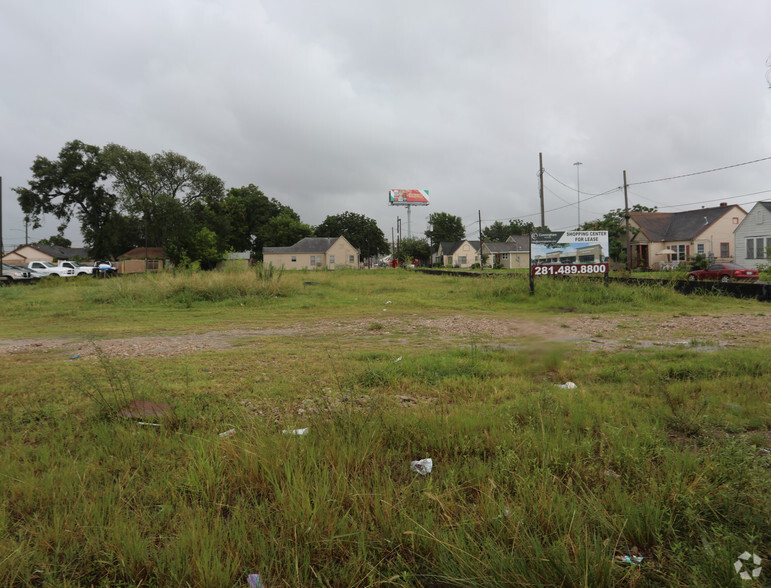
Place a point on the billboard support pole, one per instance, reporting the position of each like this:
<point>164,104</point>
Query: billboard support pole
<point>540,189</point>
<point>409,221</point>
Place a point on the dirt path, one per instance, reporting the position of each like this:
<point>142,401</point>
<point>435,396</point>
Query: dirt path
<point>595,332</point>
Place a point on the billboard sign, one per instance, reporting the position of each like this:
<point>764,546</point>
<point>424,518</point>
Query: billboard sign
<point>563,253</point>
<point>408,197</point>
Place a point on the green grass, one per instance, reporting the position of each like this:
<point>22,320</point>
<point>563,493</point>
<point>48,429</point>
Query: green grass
<point>660,451</point>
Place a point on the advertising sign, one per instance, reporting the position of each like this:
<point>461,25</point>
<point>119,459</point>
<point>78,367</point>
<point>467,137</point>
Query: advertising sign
<point>563,253</point>
<point>408,197</point>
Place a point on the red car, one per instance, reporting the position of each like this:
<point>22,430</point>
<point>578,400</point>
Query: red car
<point>725,272</point>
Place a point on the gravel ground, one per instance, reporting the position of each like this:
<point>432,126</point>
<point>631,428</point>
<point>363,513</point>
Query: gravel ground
<point>594,331</point>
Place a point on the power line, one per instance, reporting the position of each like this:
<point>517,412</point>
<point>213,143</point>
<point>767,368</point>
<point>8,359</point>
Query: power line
<point>574,188</point>
<point>706,171</point>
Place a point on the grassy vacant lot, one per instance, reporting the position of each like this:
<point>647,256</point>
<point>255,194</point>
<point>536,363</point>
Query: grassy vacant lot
<point>661,450</point>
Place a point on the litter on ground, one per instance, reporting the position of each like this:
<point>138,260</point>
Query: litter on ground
<point>422,466</point>
<point>228,433</point>
<point>295,431</point>
<point>569,385</point>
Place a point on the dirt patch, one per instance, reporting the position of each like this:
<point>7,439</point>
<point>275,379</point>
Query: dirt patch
<point>595,332</point>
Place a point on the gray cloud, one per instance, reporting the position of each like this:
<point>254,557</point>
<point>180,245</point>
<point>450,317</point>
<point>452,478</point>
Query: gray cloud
<point>327,106</point>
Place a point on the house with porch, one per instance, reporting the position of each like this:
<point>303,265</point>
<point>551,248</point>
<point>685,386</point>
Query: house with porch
<point>753,237</point>
<point>461,254</point>
<point>313,253</point>
<point>667,239</point>
<point>514,253</point>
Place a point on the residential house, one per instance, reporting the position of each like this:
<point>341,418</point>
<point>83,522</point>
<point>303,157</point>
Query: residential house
<point>666,239</point>
<point>753,236</point>
<point>514,253</point>
<point>313,253</point>
<point>141,259</point>
<point>462,254</point>
<point>34,252</point>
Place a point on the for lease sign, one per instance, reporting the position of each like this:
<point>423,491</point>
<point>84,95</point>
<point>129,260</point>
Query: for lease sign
<point>569,252</point>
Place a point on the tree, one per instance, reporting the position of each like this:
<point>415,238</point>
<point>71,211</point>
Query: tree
<point>73,185</point>
<point>284,230</point>
<point>413,248</point>
<point>56,240</point>
<point>445,227</point>
<point>248,211</point>
<point>614,223</point>
<point>360,231</point>
<point>499,232</point>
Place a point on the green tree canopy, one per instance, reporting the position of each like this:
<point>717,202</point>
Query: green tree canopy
<point>360,231</point>
<point>284,230</point>
<point>72,185</point>
<point>249,211</point>
<point>56,240</point>
<point>499,231</point>
<point>613,222</point>
<point>445,227</point>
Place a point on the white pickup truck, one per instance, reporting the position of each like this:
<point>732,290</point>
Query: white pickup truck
<point>49,269</point>
<point>79,268</point>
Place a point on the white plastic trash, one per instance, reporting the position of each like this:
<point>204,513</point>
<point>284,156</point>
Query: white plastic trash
<point>295,431</point>
<point>398,359</point>
<point>228,433</point>
<point>569,385</point>
<point>422,466</point>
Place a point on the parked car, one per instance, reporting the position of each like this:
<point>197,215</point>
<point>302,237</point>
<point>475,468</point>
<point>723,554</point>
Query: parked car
<point>725,272</point>
<point>50,269</point>
<point>15,274</point>
<point>78,268</point>
<point>34,274</point>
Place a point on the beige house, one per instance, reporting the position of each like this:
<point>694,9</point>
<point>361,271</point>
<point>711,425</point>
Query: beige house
<point>462,254</point>
<point>313,253</point>
<point>514,253</point>
<point>141,259</point>
<point>666,239</point>
<point>25,253</point>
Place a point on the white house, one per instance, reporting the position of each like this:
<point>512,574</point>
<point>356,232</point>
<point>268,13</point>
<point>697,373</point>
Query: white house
<point>752,237</point>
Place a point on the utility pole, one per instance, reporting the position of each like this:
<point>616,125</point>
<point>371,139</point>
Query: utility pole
<point>481,245</point>
<point>626,222</point>
<point>578,193</point>
<point>398,235</point>
<point>540,188</point>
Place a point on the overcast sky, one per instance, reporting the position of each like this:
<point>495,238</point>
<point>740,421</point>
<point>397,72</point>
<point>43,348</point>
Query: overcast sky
<point>328,105</point>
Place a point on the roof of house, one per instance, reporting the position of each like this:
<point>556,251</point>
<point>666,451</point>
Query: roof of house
<point>505,247</point>
<point>678,226</point>
<point>60,252</point>
<point>142,252</point>
<point>522,242</point>
<point>306,245</point>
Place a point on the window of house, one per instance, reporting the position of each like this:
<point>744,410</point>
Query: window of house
<point>680,255</point>
<point>736,220</point>
<point>724,250</point>
<point>700,248</point>
<point>313,260</point>
<point>505,256</point>
<point>331,259</point>
<point>750,249</point>
<point>462,260</point>
<point>350,259</point>
<point>294,258</point>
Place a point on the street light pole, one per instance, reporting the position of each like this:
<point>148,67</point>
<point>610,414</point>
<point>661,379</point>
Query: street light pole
<point>578,192</point>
